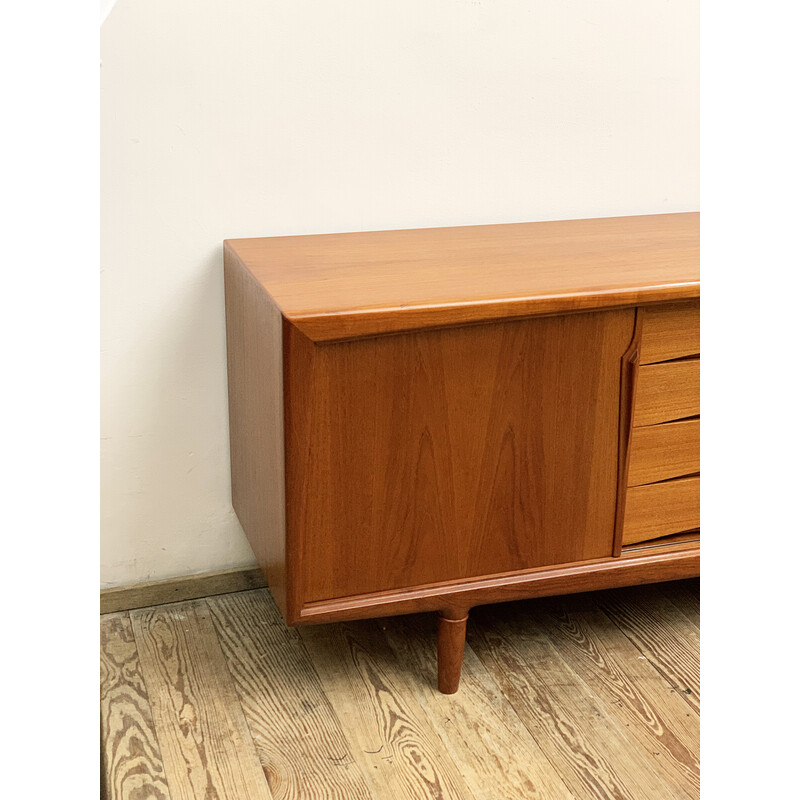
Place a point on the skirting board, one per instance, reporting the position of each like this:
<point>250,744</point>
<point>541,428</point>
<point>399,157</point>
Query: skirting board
<point>175,590</point>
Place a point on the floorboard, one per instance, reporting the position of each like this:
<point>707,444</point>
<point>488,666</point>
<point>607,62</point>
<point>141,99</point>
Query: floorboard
<point>589,696</point>
<point>284,703</point>
<point>662,632</point>
<point>389,733</point>
<point>580,735</point>
<point>131,764</point>
<point>206,746</point>
<point>633,691</point>
<point>686,596</point>
<point>482,732</point>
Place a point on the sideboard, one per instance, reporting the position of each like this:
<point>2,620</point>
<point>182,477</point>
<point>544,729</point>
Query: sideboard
<point>434,419</point>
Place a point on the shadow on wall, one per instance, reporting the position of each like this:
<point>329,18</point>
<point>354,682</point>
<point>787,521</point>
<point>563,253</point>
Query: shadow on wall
<point>167,484</point>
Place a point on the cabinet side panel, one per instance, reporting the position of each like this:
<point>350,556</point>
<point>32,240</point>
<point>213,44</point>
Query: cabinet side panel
<point>255,403</point>
<point>455,453</point>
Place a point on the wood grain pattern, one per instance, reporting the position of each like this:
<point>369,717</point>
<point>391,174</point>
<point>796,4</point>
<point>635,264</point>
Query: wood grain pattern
<point>634,566</point>
<point>668,391</point>
<point>255,412</point>
<point>629,370</point>
<point>132,768</point>
<point>659,452</point>
<point>336,286</point>
<point>284,704</point>
<point>572,726</point>
<point>670,330</point>
<point>495,752</point>
<point>664,635</point>
<point>627,655</point>
<point>454,453</point>
<point>451,638</point>
<point>659,509</point>
<point>630,687</point>
<point>403,757</point>
<point>205,743</point>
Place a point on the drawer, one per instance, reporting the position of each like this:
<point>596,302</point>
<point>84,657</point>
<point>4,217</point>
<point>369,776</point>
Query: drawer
<point>668,391</point>
<point>669,331</point>
<point>660,509</point>
<point>659,452</point>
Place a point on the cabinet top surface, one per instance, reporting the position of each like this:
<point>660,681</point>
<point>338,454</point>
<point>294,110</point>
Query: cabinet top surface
<point>342,285</point>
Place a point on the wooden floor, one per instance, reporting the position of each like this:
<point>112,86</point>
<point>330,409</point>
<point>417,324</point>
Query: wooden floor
<point>589,696</point>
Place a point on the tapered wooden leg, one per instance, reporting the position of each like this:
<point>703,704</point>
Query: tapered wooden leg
<point>451,640</point>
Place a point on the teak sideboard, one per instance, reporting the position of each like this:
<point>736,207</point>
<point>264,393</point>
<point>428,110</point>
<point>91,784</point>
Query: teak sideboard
<point>433,419</point>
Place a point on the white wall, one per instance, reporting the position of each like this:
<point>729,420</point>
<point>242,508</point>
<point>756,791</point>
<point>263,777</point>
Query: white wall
<point>223,119</point>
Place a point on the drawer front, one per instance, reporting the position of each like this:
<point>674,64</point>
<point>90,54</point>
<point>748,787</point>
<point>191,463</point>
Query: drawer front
<point>665,392</point>
<point>669,331</point>
<point>659,452</point>
<point>661,509</point>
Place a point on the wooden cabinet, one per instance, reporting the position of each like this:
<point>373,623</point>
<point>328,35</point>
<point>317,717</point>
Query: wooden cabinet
<point>434,419</point>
